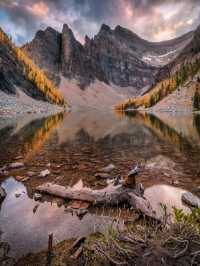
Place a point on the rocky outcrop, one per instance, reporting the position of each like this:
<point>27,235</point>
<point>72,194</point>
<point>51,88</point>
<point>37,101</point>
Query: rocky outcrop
<point>117,57</point>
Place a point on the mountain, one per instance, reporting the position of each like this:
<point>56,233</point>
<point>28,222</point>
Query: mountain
<point>178,81</point>
<point>118,57</point>
<point>61,54</point>
<point>19,74</point>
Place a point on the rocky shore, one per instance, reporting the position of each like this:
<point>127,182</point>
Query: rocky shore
<point>20,104</point>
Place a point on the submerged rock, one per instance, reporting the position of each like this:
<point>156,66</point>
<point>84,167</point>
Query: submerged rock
<point>102,175</point>
<point>2,194</point>
<point>4,249</point>
<point>191,199</point>
<point>4,259</point>
<point>3,172</point>
<point>108,169</point>
<point>16,165</point>
<point>37,196</point>
<point>30,174</point>
<point>44,173</point>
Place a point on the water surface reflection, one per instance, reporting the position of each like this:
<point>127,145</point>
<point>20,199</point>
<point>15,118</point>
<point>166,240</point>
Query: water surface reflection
<point>75,146</point>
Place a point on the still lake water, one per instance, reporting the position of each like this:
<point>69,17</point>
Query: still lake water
<point>74,146</point>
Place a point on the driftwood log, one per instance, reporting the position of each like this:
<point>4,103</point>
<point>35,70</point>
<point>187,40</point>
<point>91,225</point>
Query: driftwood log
<point>110,195</point>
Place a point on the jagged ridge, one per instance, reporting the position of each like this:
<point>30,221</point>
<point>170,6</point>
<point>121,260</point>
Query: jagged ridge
<point>115,57</point>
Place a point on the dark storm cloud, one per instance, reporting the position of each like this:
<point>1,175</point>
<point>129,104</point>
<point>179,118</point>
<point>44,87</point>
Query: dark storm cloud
<point>152,19</point>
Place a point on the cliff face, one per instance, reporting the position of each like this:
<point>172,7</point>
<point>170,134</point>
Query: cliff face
<point>45,50</point>
<point>117,57</point>
<point>75,61</point>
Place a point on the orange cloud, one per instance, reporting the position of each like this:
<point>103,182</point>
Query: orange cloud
<point>39,9</point>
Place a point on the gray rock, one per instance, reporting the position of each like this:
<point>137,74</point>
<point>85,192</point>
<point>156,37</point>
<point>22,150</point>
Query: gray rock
<point>191,199</point>
<point>2,194</point>
<point>16,165</point>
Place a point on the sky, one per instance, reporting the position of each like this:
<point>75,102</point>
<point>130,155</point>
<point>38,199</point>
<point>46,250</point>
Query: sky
<point>153,20</point>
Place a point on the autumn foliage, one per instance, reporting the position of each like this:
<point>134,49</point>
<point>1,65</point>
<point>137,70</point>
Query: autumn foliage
<point>163,88</point>
<point>33,73</point>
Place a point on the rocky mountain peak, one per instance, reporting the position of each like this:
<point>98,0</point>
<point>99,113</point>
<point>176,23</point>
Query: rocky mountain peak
<point>104,29</point>
<point>118,56</point>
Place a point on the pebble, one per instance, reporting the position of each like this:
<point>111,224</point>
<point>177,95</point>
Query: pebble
<point>175,182</point>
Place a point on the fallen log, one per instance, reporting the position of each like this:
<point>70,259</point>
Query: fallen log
<point>111,195</point>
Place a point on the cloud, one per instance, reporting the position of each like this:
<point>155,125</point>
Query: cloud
<point>154,20</point>
<point>39,9</point>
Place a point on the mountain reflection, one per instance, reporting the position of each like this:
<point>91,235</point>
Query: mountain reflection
<point>27,137</point>
<point>170,128</point>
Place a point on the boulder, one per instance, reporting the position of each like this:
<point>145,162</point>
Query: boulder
<point>191,199</point>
